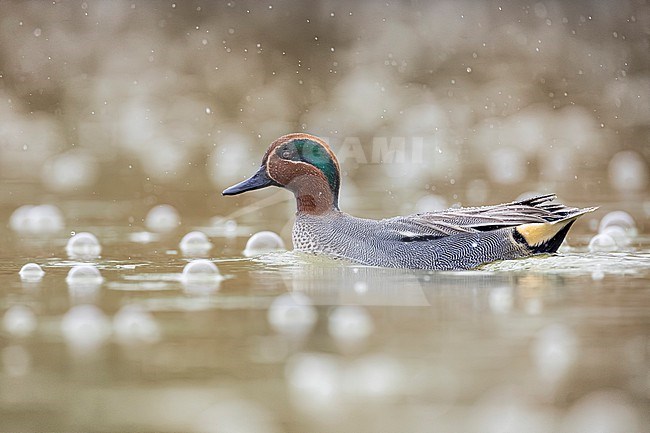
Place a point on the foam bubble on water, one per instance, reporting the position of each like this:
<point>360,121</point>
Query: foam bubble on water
<point>431,203</point>
<point>162,218</point>
<point>619,234</point>
<point>292,313</point>
<point>85,327</point>
<point>200,270</point>
<point>602,243</point>
<point>41,219</point>
<point>31,272</point>
<point>201,276</point>
<point>350,324</point>
<point>628,171</point>
<point>602,411</point>
<point>16,361</point>
<point>133,324</point>
<point>619,218</point>
<point>84,274</point>
<point>84,282</point>
<point>83,244</point>
<point>195,242</point>
<point>19,321</point>
<point>263,242</point>
<point>554,351</point>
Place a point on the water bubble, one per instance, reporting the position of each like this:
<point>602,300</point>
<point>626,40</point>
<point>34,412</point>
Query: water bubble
<point>195,243</point>
<point>31,272</point>
<point>84,282</point>
<point>263,242</point>
<point>200,270</point>
<point>133,324</point>
<point>162,218</point>
<point>85,327</point>
<point>19,321</point>
<point>292,313</point>
<point>618,218</point>
<point>201,276</point>
<point>83,244</point>
<point>350,324</point>
<point>84,274</point>
<point>628,171</point>
<point>617,233</point>
<point>41,219</point>
<point>602,243</point>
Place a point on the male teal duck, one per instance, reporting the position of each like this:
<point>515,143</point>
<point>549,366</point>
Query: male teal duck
<point>453,239</point>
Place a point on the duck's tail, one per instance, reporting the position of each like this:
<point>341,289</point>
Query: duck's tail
<point>548,236</point>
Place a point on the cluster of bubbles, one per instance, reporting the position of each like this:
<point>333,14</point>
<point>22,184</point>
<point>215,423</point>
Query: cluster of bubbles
<point>85,326</point>
<point>453,93</point>
<point>616,231</point>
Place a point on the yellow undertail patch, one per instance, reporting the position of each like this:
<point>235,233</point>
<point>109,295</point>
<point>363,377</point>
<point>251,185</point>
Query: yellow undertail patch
<point>538,233</point>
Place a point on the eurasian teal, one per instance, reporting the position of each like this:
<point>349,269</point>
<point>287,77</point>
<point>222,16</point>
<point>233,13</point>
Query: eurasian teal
<point>461,238</point>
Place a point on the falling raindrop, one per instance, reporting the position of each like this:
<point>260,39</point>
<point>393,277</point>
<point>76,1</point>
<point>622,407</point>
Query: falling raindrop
<point>195,242</point>
<point>83,244</point>
<point>263,242</point>
<point>31,272</point>
<point>162,218</point>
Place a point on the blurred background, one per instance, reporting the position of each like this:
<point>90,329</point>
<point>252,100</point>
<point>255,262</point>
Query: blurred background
<point>173,101</point>
<point>122,121</point>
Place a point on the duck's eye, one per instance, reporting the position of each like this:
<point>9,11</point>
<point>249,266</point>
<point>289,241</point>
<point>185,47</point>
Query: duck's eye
<point>286,154</point>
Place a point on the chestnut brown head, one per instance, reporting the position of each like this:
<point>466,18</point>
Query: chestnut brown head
<point>303,164</point>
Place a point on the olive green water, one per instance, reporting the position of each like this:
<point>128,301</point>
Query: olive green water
<point>556,343</point>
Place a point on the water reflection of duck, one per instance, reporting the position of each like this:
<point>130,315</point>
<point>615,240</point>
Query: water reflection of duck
<point>452,239</point>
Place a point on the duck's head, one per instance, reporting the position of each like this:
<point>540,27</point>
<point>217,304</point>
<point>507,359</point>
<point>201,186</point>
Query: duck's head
<point>303,164</point>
